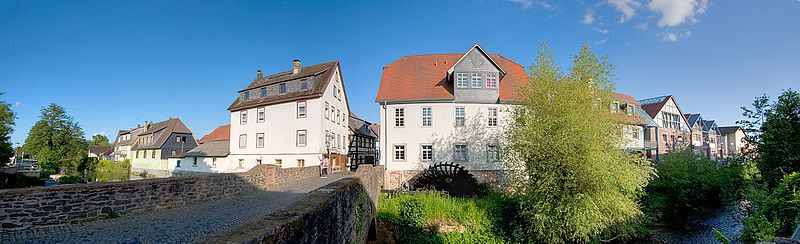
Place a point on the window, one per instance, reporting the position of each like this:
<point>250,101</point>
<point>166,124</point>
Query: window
<point>635,133</point>
<point>301,138</point>
<point>338,117</point>
<point>630,109</point>
<point>492,153</point>
<point>327,112</point>
<point>399,152</point>
<point>263,92</point>
<point>246,95</point>
<point>244,118</point>
<point>153,154</point>
<point>283,88</point>
<point>301,109</point>
<point>427,153</point>
<point>476,81</point>
<point>335,92</point>
<point>177,139</point>
<point>461,80</point>
<point>260,140</point>
<point>258,161</point>
<point>460,116</point>
<point>303,84</point>
<point>242,141</point>
<point>279,162</point>
<point>301,163</point>
<point>178,164</point>
<point>614,107</point>
<point>427,119</point>
<point>194,162</point>
<point>344,120</point>
<point>214,162</point>
<point>399,117</point>
<point>460,152</point>
<point>173,153</point>
<point>491,81</point>
<point>261,115</point>
<point>241,163</point>
<point>137,154</point>
<point>145,154</point>
<point>492,117</point>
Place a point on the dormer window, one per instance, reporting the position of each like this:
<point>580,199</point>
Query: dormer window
<point>491,81</point>
<point>263,92</point>
<point>283,88</point>
<point>461,80</point>
<point>246,95</point>
<point>630,109</point>
<point>615,107</point>
<point>303,84</point>
<point>476,81</point>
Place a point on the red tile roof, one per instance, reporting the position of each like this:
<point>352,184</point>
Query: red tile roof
<point>222,133</point>
<point>627,99</point>
<point>425,77</point>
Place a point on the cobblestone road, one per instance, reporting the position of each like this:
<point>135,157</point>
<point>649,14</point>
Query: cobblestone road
<point>177,225</point>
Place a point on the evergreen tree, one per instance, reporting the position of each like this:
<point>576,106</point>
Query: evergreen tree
<point>6,121</point>
<point>577,181</point>
<point>57,141</point>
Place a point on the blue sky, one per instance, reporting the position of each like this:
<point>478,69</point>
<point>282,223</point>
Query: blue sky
<point>116,64</point>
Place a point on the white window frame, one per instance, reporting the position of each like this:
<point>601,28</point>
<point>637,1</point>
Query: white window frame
<point>261,113</point>
<point>327,111</point>
<point>399,152</point>
<point>263,92</point>
<point>462,80</point>
<point>427,119</point>
<point>304,84</point>
<point>260,140</point>
<point>422,152</point>
<point>304,141</point>
<point>630,109</point>
<point>476,78</point>
<point>399,117</point>
<point>491,81</point>
<point>243,141</point>
<point>463,116</point>
<point>492,116</point>
<point>247,95</point>
<point>456,152</point>
<point>615,107</point>
<point>304,113</point>
<point>492,155</point>
<point>243,117</point>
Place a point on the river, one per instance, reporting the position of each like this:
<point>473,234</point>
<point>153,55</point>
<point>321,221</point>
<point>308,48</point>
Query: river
<point>727,220</point>
<point>109,176</point>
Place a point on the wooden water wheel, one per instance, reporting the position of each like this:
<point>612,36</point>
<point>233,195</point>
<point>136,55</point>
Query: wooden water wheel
<point>449,177</point>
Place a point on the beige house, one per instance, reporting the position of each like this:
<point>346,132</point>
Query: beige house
<point>732,141</point>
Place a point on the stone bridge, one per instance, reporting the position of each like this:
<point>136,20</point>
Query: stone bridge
<point>265,204</point>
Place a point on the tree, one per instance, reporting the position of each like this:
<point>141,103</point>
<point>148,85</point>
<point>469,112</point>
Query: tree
<point>57,141</point>
<point>99,140</point>
<point>577,181</point>
<point>778,127</point>
<point>6,121</point>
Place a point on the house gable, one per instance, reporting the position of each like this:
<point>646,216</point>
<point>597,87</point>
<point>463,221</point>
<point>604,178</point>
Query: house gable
<point>471,77</point>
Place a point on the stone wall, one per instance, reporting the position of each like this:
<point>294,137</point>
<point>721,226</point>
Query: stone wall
<point>283,175</point>
<point>37,206</point>
<point>341,212</point>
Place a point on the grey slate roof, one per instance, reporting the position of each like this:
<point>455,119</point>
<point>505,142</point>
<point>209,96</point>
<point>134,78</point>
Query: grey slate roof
<point>165,129</point>
<point>101,150</point>
<point>359,126</point>
<point>728,129</point>
<point>210,149</point>
<point>693,119</point>
<point>320,72</point>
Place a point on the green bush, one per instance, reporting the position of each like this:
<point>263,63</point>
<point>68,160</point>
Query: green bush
<point>70,179</point>
<point>18,180</point>
<point>779,214</point>
<point>412,213</point>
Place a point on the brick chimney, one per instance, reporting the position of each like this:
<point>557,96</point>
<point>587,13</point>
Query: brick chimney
<point>296,66</point>
<point>259,75</point>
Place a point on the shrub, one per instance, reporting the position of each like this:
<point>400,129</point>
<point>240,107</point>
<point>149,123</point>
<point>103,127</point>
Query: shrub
<point>412,213</point>
<point>779,213</point>
<point>70,179</point>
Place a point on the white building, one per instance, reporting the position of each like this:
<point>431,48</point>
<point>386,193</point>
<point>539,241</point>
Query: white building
<point>291,119</point>
<point>211,156</point>
<point>445,108</point>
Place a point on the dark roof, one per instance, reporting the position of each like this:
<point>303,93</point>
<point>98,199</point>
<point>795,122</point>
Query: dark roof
<point>133,132</point>
<point>729,129</point>
<point>376,130</point>
<point>320,72</point>
<point>222,133</point>
<point>101,150</point>
<point>210,149</point>
<point>708,125</point>
<point>653,105</point>
<point>359,126</point>
<point>167,127</point>
<point>693,119</point>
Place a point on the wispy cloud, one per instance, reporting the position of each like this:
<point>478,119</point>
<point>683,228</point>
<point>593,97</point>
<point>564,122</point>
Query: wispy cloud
<point>674,35</point>
<point>103,133</point>
<point>601,41</point>
<point>604,31</point>
<point>627,7</point>
<point>676,12</point>
<point>589,17</point>
<point>641,26</point>
<point>16,104</point>
<point>526,4</point>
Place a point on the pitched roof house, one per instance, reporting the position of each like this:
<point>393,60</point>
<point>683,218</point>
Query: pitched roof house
<point>210,156</point>
<point>157,142</point>
<point>673,131</point>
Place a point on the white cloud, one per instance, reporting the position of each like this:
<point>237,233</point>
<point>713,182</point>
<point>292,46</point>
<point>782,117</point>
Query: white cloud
<point>604,31</point>
<point>601,41</point>
<point>526,4</point>
<point>676,12</point>
<point>641,26</point>
<point>589,17</point>
<point>17,104</point>
<point>104,133</point>
<point>627,7</point>
<point>674,35</point>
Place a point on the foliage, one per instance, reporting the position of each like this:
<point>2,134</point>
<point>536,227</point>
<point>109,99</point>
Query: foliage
<point>779,215</point>
<point>70,179</point>
<point>6,121</point>
<point>720,237</point>
<point>687,181</point>
<point>577,181</point>
<point>57,141</point>
<point>18,180</point>
<point>99,140</point>
<point>446,219</point>
<point>111,166</point>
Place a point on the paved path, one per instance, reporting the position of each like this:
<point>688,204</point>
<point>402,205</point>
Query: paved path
<point>183,224</point>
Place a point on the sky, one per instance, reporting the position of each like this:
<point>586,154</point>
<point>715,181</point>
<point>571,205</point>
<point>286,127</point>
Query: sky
<point>115,64</point>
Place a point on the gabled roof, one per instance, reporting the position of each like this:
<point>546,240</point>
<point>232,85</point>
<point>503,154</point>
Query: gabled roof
<point>724,130</point>
<point>133,132</point>
<point>426,77</point>
<point>210,149</point>
<point>693,119</point>
<point>222,133</point>
<point>627,99</point>
<point>648,121</point>
<point>166,128</point>
<point>101,150</point>
<point>709,124</point>
<point>484,53</point>
<point>653,105</point>
<point>376,130</point>
<point>359,126</point>
<point>320,72</point>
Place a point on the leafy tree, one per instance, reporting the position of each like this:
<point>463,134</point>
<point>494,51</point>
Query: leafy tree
<point>6,121</point>
<point>577,182</point>
<point>99,140</point>
<point>780,214</point>
<point>777,146</point>
<point>57,141</point>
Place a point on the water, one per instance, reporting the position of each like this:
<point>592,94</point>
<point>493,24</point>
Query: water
<point>727,220</point>
<point>109,176</point>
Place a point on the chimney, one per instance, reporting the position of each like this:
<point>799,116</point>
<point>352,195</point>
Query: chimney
<point>170,117</point>
<point>259,75</point>
<point>138,125</point>
<point>296,66</point>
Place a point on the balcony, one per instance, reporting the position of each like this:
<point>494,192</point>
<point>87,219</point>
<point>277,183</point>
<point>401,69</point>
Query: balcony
<point>650,144</point>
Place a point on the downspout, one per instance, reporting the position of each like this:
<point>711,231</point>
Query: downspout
<point>657,144</point>
<point>385,138</point>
